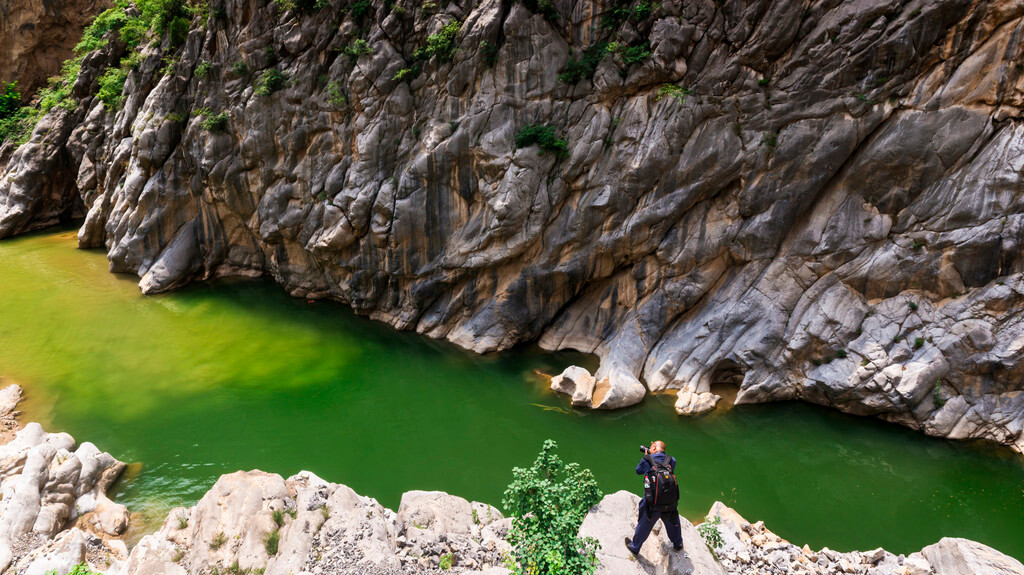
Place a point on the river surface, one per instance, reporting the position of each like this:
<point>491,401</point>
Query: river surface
<point>237,375</point>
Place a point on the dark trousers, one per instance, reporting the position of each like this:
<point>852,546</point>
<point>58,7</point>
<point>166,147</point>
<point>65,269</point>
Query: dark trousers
<point>645,522</point>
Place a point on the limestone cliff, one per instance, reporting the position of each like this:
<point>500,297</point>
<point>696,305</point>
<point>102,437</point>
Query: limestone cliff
<point>811,200</point>
<point>36,36</point>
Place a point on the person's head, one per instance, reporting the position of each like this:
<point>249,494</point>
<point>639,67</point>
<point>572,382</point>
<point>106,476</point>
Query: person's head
<point>657,447</point>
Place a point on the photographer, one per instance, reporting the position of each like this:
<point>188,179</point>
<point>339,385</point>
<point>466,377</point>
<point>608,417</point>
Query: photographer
<point>661,496</point>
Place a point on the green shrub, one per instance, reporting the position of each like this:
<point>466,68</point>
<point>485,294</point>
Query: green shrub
<point>545,137</point>
<point>407,74</point>
<point>10,100</point>
<point>631,54</point>
<point>441,43</point>
<point>913,306</point>
<point>214,123</point>
<point>269,82</point>
<point>357,48</point>
<point>678,93</point>
<point>111,86</point>
<point>584,67</point>
<point>278,517</point>
<point>92,37</point>
<point>271,542</point>
<point>918,342</point>
<point>335,95</point>
<point>710,533</point>
<point>360,8</point>
<point>446,562</point>
<point>182,522</point>
<point>771,140</point>
<point>547,503</point>
<point>203,69</point>
<point>240,69</point>
<point>841,354</point>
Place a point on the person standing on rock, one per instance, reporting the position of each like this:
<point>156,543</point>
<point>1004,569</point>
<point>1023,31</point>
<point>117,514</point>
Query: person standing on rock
<point>661,496</point>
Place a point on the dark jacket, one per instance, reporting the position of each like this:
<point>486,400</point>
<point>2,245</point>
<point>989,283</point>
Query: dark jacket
<point>643,467</point>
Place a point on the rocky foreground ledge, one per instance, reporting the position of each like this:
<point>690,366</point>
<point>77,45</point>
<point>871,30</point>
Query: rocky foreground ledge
<point>55,515</point>
<point>54,510</point>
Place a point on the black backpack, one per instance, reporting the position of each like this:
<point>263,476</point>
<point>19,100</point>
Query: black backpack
<point>661,490</point>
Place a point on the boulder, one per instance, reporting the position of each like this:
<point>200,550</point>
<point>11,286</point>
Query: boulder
<point>691,403</point>
<point>577,383</point>
<point>614,518</point>
<point>955,556</point>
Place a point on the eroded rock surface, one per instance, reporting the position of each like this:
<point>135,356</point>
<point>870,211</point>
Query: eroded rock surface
<point>320,527</point>
<point>751,549</point>
<point>47,485</point>
<point>828,208</point>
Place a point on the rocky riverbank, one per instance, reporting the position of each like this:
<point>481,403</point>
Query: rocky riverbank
<point>54,515</point>
<point>806,200</point>
<point>54,511</point>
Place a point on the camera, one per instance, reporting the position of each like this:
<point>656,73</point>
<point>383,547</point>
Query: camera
<point>645,449</point>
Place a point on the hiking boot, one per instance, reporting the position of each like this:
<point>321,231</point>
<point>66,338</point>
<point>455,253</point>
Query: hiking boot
<point>629,545</point>
<point>677,547</point>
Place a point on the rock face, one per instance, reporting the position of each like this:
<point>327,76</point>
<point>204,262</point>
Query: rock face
<point>827,206</point>
<point>750,549</point>
<point>47,485</point>
<point>36,36</point>
<point>319,527</point>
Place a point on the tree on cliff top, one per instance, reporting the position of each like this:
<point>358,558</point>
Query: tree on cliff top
<point>548,502</point>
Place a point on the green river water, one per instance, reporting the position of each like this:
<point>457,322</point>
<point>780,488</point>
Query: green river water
<point>237,375</point>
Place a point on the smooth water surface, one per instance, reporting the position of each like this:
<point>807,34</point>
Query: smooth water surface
<point>237,375</point>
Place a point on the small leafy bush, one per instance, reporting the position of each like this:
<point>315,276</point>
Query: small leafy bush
<point>545,137</point>
<point>584,67</point>
<point>203,69</point>
<point>360,8</point>
<point>357,48</point>
<point>215,123</point>
<point>335,96</point>
<point>240,69</point>
<point>841,354</point>
<point>710,533</point>
<point>440,44</point>
<point>918,342</point>
<point>269,82</point>
<point>631,54</point>
<point>678,93</point>
<point>547,503</point>
<point>278,517</point>
<point>92,37</point>
<point>446,562</point>
<point>913,306</point>
<point>10,100</point>
<point>111,85</point>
